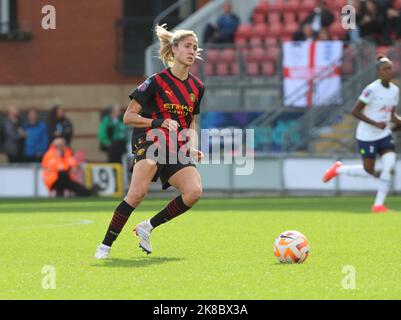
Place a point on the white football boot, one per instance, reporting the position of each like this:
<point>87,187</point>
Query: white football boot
<point>102,252</point>
<point>143,230</point>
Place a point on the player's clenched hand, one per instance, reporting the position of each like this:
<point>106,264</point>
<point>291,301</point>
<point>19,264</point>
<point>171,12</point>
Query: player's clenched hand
<point>170,124</point>
<point>196,154</point>
<point>381,125</point>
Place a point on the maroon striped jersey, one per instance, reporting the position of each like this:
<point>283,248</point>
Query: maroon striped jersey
<point>164,96</point>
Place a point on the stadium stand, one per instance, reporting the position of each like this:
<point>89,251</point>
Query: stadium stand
<point>258,42</point>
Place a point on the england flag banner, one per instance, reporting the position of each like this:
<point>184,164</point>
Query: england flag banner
<point>311,71</point>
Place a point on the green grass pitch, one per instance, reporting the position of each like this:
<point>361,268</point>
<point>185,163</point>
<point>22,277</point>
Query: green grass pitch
<point>221,249</point>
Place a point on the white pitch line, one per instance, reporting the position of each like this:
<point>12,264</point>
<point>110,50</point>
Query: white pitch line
<point>64,225</point>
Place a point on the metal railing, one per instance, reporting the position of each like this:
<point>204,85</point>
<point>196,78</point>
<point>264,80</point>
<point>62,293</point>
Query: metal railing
<point>307,128</point>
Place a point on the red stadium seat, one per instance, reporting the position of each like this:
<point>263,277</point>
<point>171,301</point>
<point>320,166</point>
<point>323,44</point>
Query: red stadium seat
<point>262,7</point>
<point>274,17</point>
<point>291,5</point>
<point>240,42</point>
<point>382,50</point>
<point>274,30</point>
<point>260,30</point>
<point>256,41</point>
<point>222,69</point>
<point>243,31</point>
<point>302,14</point>
<point>252,69</point>
<point>212,55</point>
<point>227,55</point>
<point>259,54</point>
<point>270,41</point>
<point>286,37</point>
<point>337,30</point>
<point>336,6</point>
<point>276,6</point>
<point>272,54</point>
<point>268,68</point>
<point>290,28</point>
<point>259,18</point>
<point>209,69</point>
<point>289,17</point>
<point>308,4</point>
<point>235,69</point>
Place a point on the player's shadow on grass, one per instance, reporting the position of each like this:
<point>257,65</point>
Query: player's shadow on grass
<point>136,262</point>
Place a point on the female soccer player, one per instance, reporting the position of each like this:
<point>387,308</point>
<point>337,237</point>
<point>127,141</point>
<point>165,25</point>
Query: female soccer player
<point>161,108</point>
<point>376,111</point>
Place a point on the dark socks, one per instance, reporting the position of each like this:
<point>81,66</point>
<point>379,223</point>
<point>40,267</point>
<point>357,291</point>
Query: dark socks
<point>120,217</point>
<point>173,209</point>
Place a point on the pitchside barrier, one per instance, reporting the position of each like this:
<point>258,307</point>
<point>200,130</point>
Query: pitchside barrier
<point>284,176</point>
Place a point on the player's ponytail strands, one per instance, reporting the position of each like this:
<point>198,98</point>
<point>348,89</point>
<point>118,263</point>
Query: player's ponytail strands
<point>166,43</point>
<point>169,39</point>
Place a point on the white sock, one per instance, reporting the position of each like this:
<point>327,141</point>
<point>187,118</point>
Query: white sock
<point>382,191</point>
<point>388,160</point>
<point>353,171</point>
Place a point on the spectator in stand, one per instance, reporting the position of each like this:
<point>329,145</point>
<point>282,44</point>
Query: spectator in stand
<point>112,135</point>
<point>324,35</point>
<point>373,22</point>
<point>60,168</point>
<point>59,125</point>
<point>36,140</point>
<point>306,34</point>
<point>393,27</point>
<point>320,17</point>
<point>13,135</point>
<point>225,29</point>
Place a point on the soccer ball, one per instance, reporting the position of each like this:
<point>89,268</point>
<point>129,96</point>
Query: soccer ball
<point>291,247</point>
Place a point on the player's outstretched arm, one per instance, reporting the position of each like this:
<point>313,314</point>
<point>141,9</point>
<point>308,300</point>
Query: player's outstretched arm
<point>357,113</point>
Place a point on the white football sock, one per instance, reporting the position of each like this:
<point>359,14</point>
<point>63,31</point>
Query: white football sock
<point>353,171</point>
<point>388,160</point>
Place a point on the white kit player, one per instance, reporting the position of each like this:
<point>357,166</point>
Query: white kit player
<point>376,111</point>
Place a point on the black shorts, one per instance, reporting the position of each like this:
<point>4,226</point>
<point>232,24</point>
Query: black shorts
<point>370,149</point>
<point>164,170</point>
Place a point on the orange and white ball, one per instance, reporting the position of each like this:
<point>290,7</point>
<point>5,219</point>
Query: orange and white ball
<point>291,247</point>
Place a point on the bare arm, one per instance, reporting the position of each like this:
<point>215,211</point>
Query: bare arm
<point>396,119</point>
<point>133,119</point>
<point>357,113</point>
<point>193,136</point>
<point>193,139</point>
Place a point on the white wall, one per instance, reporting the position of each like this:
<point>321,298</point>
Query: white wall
<point>270,174</point>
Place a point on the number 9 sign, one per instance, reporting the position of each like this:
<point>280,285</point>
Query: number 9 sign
<point>107,176</point>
